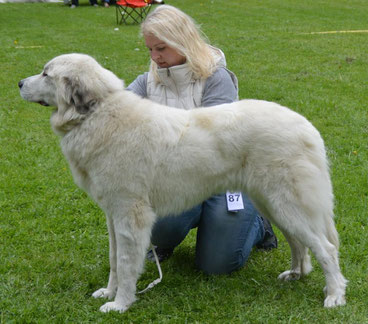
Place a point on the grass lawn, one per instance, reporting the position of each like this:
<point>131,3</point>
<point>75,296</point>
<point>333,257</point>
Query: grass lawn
<point>53,238</point>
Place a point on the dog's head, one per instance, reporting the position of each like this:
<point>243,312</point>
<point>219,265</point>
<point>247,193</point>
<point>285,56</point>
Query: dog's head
<point>74,83</point>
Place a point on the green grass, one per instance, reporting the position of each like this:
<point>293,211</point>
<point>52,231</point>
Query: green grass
<point>53,238</point>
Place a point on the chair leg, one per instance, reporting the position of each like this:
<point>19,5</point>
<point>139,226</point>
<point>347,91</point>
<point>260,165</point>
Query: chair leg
<point>137,15</point>
<point>117,14</point>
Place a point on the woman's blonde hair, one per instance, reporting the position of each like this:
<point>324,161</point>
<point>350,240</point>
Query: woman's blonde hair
<point>180,32</point>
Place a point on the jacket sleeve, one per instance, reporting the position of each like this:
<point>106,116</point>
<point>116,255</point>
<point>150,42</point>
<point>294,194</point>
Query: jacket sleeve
<point>219,89</point>
<point>139,85</point>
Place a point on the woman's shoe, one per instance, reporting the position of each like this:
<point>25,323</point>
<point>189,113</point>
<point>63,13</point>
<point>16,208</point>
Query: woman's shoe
<point>162,254</point>
<point>269,240</point>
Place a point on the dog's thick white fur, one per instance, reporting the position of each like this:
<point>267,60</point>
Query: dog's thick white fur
<point>139,160</point>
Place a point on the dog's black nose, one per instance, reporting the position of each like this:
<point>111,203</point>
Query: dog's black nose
<point>20,84</point>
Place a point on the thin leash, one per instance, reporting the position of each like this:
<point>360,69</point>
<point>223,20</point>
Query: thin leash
<point>158,280</point>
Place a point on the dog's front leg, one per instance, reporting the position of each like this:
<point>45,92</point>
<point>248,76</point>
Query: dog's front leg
<point>132,235</point>
<point>112,285</point>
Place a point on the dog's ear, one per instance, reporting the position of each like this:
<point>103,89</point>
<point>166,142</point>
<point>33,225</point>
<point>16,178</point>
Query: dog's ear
<point>82,103</point>
<point>77,95</point>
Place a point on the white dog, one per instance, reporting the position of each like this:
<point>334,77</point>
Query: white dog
<point>139,160</point>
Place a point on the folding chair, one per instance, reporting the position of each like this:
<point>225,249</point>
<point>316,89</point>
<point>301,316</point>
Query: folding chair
<point>133,11</point>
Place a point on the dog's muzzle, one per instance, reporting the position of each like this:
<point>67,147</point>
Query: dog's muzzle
<point>43,103</point>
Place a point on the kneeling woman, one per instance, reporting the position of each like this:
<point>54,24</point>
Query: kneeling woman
<point>185,73</point>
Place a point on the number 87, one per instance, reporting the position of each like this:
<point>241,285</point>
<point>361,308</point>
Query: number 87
<point>232,198</point>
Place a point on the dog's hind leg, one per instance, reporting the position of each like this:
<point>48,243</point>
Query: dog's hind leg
<point>132,226</point>
<point>326,254</point>
<point>300,260</point>
<point>303,210</point>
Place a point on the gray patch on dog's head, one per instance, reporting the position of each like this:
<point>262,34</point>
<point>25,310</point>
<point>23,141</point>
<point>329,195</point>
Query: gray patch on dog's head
<point>81,105</point>
<point>78,96</point>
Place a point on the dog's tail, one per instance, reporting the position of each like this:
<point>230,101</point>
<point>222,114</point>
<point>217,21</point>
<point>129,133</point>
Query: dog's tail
<point>315,186</point>
<point>331,231</point>
<point>326,207</point>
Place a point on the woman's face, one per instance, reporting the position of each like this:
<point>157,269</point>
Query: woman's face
<point>162,54</point>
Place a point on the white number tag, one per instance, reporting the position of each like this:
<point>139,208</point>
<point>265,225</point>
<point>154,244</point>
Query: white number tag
<point>234,201</point>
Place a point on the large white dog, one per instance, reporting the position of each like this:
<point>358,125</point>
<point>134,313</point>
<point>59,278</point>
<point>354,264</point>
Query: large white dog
<point>139,160</point>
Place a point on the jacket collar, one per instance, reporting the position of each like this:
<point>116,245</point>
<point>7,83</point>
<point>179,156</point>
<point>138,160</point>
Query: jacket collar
<point>179,75</point>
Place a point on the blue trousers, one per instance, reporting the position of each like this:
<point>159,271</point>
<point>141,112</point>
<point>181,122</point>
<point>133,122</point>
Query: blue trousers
<point>224,239</point>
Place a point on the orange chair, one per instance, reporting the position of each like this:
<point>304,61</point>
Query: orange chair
<point>132,11</point>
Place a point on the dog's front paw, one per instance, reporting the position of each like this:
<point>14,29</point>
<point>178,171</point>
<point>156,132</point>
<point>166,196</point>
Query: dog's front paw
<point>104,293</point>
<point>289,275</point>
<point>114,306</point>
<point>334,300</point>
